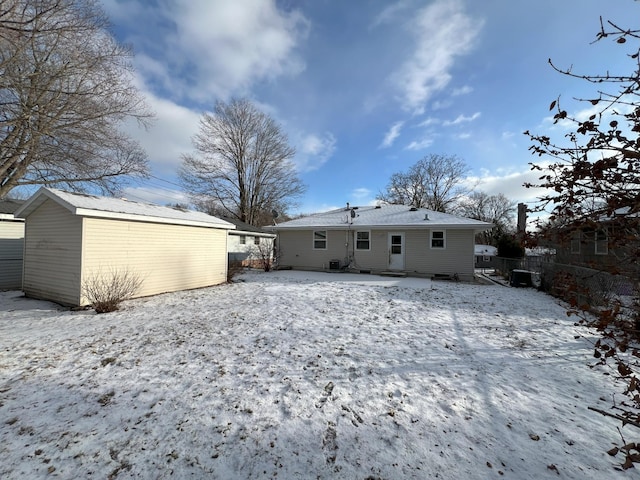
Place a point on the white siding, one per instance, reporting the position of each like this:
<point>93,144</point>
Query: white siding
<point>166,257</point>
<point>53,242</point>
<point>247,252</point>
<point>11,248</point>
<point>456,257</point>
<point>296,250</point>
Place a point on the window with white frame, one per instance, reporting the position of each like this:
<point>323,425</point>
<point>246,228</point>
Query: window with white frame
<point>319,239</point>
<point>363,240</point>
<point>243,239</point>
<point>437,239</point>
<point>602,242</point>
<point>576,239</point>
<point>256,240</point>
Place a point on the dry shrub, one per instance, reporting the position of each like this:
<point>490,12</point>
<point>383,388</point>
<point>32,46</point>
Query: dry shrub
<point>234,268</point>
<point>106,291</point>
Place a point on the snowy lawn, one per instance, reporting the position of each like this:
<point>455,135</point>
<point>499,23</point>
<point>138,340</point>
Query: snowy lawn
<point>304,375</point>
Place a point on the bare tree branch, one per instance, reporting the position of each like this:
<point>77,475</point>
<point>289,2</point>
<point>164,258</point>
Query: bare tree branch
<point>242,166</point>
<point>66,86</point>
<point>434,182</point>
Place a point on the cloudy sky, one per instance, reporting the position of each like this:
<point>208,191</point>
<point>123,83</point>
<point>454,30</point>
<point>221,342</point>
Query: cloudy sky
<point>366,88</point>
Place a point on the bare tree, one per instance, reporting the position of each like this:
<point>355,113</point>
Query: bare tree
<point>65,88</point>
<point>496,209</point>
<point>593,185</point>
<point>434,182</point>
<point>242,166</point>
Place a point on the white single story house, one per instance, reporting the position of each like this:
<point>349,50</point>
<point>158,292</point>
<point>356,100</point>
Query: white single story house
<point>71,238</point>
<point>379,239</point>
<point>11,245</point>
<point>247,243</point>
<point>484,256</point>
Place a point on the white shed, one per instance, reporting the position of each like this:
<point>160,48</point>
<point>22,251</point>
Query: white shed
<point>249,245</point>
<point>11,245</point>
<point>70,238</point>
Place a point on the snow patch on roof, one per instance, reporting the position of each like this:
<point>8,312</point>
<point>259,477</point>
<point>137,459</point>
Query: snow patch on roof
<point>92,205</point>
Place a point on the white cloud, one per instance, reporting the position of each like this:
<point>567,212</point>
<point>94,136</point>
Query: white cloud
<point>462,119</point>
<point>463,136</point>
<point>429,121</point>
<point>313,151</point>
<point>420,144</point>
<point>465,90</point>
<point>392,134</point>
<point>215,48</point>
<point>389,13</point>
<point>443,32</point>
<point>510,183</point>
<point>361,193</point>
<point>169,136</point>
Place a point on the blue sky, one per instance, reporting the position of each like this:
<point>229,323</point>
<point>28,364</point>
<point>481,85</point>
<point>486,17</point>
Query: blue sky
<point>364,89</point>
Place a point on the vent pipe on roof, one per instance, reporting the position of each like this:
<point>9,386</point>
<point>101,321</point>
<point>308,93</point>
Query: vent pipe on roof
<point>426,216</point>
<point>347,205</point>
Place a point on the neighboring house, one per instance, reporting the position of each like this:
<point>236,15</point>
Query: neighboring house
<point>71,238</point>
<point>385,238</point>
<point>246,244</point>
<point>11,245</point>
<point>484,256</point>
<point>609,243</point>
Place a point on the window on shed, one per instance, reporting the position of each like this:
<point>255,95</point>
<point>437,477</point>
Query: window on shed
<point>602,242</point>
<point>437,239</point>
<point>363,241</point>
<point>320,240</point>
<point>576,239</point>
<point>243,239</point>
<point>256,240</point>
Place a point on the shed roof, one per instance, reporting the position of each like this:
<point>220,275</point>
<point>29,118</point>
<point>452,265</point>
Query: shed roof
<point>8,207</point>
<point>106,207</point>
<point>244,228</point>
<point>486,250</point>
<point>383,216</point>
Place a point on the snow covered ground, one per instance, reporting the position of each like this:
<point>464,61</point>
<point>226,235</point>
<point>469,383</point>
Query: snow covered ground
<point>304,375</point>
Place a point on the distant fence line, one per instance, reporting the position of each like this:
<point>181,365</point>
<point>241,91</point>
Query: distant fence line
<point>586,286</point>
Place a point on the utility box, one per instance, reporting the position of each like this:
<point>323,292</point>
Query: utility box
<point>521,278</point>
<point>334,265</point>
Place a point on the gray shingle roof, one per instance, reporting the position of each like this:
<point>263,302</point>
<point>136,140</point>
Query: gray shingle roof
<point>9,205</point>
<point>384,216</point>
<point>106,207</point>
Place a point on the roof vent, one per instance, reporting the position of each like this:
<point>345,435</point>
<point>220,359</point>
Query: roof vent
<point>378,206</point>
<point>426,216</point>
<point>413,209</point>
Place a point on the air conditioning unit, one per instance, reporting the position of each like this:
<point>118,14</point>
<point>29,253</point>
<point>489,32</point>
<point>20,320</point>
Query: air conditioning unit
<point>334,265</point>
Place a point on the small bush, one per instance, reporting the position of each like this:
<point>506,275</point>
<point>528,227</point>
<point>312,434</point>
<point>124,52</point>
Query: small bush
<point>105,292</point>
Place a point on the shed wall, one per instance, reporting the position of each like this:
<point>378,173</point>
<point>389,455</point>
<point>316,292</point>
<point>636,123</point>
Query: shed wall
<point>166,257</point>
<point>11,249</point>
<point>53,244</point>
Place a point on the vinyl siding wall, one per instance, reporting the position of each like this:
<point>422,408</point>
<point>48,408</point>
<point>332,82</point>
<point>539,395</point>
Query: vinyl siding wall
<point>11,248</point>
<point>53,245</point>
<point>246,253</point>
<point>296,251</point>
<point>166,257</point>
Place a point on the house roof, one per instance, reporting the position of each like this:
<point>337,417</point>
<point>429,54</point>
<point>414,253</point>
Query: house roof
<point>243,228</point>
<point>486,250</point>
<point>117,208</point>
<point>384,217</point>
<point>8,206</point>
